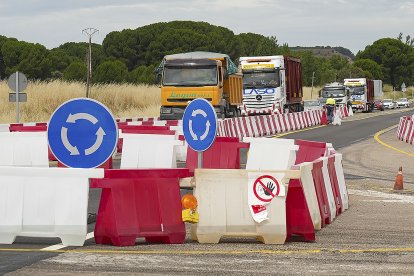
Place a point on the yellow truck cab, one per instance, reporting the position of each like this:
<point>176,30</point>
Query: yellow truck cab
<point>188,76</point>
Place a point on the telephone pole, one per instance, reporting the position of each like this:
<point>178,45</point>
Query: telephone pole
<point>313,77</point>
<point>89,32</point>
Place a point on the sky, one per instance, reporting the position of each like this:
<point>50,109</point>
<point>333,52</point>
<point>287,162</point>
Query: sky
<point>351,24</point>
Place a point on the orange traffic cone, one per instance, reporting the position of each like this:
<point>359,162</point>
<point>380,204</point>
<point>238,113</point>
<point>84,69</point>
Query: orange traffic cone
<point>324,118</point>
<point>399,182</point>
<point>345,110</point>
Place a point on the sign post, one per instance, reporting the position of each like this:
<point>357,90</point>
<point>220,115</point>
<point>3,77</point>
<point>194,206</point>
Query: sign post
<point>82,133</point>
<point>200,126</point>
<point>403,88</point>
<point>17,82</point>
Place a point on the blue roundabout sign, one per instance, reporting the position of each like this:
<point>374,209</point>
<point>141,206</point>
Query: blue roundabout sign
<point>82,133</point>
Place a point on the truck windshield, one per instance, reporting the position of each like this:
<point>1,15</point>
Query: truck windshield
<point>184,76</point>
<point>357,90</point>
<point>337,92</point>
<point>261,79</point>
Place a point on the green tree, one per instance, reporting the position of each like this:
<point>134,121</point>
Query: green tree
<point>76,71</point>
<point>371,68</point>
<point>25,57</point>
<point>111,71</point>
<point>395,57</point>
<point>351,71</point>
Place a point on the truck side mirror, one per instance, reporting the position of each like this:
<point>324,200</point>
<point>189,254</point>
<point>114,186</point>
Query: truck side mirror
<point>157,78</point>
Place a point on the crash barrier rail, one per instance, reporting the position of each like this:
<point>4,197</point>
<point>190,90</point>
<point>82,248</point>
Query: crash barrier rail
<point>266,125</point>
<point>140,203</point>
<point>38,201</point>
<point>405,130</point>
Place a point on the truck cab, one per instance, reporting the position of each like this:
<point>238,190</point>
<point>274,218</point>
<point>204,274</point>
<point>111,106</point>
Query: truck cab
<point>271,84</point>
<point>338,91</point>
<point>188,76</point>
<point>361,92</point>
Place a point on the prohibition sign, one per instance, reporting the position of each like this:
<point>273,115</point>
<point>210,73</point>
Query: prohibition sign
<point>261,181</point>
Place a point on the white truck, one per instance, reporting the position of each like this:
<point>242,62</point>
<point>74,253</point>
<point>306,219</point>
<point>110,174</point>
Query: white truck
<point>338,92</point>
<point>361,93</point>
<point>271,84</point>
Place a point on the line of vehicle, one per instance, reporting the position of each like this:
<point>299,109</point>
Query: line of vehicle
<point>379,133</point>
<point>218,252</point>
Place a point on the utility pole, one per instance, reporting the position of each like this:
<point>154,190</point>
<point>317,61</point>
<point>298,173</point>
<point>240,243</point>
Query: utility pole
<point>313,77</point>
<point>89,32</point>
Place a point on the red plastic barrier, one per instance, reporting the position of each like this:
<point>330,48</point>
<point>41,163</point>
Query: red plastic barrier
<point>125,127</point>
<point>22,128</point>
<point>298,219</point>
<point>223,154</point>
<point>321,192</point>
<point>309,151</point>
<point>140,203</point>
<point>334,183</point>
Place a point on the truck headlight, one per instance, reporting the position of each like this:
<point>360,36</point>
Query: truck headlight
<point>166,110</point>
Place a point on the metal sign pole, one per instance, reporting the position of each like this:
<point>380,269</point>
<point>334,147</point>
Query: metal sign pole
<point>200,159</point>
<point>17,96</point>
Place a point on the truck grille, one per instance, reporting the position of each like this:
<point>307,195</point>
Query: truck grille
<point>258,101</point>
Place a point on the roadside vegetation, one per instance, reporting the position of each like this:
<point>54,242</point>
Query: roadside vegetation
<point>124,100</point>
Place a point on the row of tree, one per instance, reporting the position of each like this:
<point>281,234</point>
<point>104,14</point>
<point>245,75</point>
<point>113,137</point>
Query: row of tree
<point>132,55</point>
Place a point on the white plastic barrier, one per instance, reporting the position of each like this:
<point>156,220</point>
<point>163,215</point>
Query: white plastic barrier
<point>308,185</point>
<point>149,151</point>
<point>224,211</point>
<point>341,181</point>
<point>45,202</point>
<point>5,128</point>
<point>27,149</point>
<point>181,150</point>
<point>271,154</point>
<point>328,187</point>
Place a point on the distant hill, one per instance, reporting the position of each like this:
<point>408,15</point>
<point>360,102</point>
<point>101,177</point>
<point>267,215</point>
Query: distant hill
<point>326,51</point>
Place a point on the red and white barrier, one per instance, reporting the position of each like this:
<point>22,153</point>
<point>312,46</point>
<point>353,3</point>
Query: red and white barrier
<point>405,130</point>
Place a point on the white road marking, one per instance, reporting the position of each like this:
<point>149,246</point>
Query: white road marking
<point>385,197</point>
<point>60,246</point>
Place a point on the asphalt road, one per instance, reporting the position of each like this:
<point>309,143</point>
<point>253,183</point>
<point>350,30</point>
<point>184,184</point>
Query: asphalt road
<point>340,136</point>
<point>350,132</point>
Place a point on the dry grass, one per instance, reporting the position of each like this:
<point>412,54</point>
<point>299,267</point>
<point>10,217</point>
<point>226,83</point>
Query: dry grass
<point>124,100</point>
<point>311,94</point>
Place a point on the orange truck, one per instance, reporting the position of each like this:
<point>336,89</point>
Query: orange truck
<point>188,76</point>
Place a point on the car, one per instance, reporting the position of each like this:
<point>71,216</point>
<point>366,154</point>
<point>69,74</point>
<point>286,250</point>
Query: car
<point>388,104</point>
<point>403,102</point>
<point>311,105</point>
<point>378,105</point>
